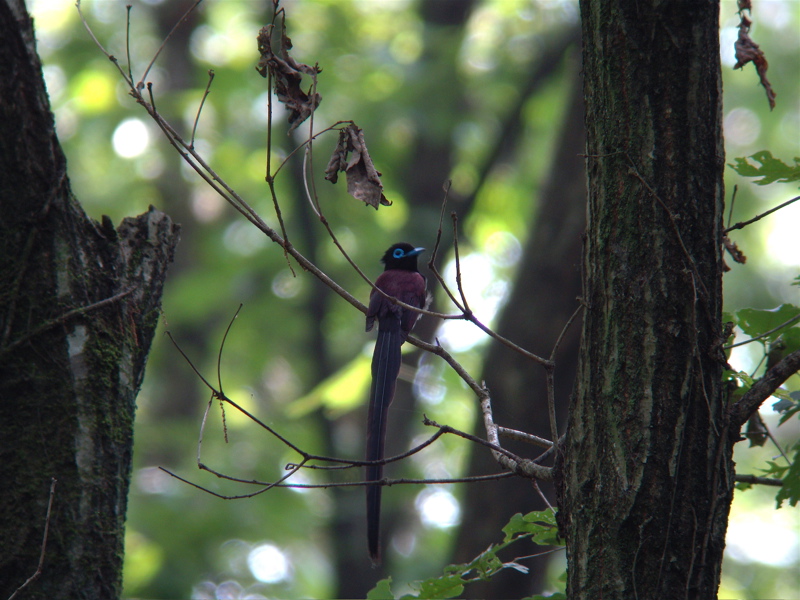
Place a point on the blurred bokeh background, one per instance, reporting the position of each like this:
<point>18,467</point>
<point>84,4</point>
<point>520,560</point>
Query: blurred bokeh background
<point>484,93</point>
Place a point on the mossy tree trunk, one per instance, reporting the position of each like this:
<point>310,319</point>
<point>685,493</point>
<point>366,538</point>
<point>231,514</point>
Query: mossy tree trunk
<point>79,303</point>
<point>648,473</point>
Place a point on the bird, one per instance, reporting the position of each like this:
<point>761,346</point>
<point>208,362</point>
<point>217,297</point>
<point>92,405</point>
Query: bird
<point>401,280</point>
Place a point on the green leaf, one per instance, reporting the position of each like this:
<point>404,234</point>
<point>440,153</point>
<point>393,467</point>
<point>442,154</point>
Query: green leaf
<point>772,170</point>
<point>381,591</point>
<point>775,470</point>
<point>787,407</point>
<point>755,322</point>
<point>791,481</point>
<point>446,586</point>
<point>540,525</point>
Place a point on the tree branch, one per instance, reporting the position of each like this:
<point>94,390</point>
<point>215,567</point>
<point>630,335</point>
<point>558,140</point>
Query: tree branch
<point>764,388</point>
<point>755,479</point>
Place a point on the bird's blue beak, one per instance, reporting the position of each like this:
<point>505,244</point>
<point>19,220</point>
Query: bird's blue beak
<point>416,251</point>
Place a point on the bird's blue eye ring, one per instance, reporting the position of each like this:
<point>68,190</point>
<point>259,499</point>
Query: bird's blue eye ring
<point>398,253</point>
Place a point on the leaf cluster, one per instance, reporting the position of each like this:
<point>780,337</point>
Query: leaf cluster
<point>538,526</point>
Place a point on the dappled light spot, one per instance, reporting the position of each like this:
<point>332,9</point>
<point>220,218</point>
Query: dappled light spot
<point>268,563</point>
<point>131,138</point>
<point>742,127</point>
<point>438,508</point>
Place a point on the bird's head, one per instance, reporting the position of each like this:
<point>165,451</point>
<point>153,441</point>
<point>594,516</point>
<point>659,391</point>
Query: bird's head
<point>402,256</point>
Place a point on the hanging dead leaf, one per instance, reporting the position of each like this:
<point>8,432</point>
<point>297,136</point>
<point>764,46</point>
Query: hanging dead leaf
<point>736,254</point>
<point>748,51</point>
<point>287,74</point>
<point>363,179</point>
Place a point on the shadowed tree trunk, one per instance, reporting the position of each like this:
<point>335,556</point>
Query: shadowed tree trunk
<point>648,474</point>
<point>78,309</point>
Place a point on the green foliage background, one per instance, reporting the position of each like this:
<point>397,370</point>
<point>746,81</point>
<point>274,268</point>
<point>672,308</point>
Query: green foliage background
<point>297,356</point>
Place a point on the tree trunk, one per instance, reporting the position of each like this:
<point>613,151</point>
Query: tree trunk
<point>78,309</point>
<point>648,473</point>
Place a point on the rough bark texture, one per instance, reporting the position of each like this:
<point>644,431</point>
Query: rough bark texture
<point>648,475</point>
<point>78,308</point>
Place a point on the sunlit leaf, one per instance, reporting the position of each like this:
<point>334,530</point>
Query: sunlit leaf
<point>771,170</point>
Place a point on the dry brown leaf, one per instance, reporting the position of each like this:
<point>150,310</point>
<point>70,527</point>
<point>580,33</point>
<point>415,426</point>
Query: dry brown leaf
<point>736,254</point>
<point>748,51</point>
<point>363,179</point>
<point>287,74</point>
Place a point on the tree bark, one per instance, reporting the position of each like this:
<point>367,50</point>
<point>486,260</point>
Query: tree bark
<point>79,303</point>
<point>647,466</point>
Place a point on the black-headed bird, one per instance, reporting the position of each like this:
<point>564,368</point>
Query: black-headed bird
<point>400,280</point>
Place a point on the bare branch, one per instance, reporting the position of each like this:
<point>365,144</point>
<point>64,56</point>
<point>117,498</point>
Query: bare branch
<point>521,436</point>
<point>763,389</point>
<point>755,480</point>
<point>743,224</point>
<point>524,467</point>
<point>509,460</point>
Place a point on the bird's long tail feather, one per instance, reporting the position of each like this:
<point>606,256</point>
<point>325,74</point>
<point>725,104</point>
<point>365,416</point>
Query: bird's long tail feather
<point>385,368</point>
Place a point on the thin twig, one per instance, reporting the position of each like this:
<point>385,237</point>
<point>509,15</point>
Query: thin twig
<point>64,318</point>
<point>191,364</point>
<point>39,568</point>
<point>203,429</point>
<point>762,215</point>
<point>281,483</point>
<point>542,496</point>
<point>166,39</point>
<point>434,252</point>
<point>308,158</point>
<point>200,108</point>
<point>733,200</point>
<point>302,145</point>
<point>152,97</point>
<point>564,331</point>
<point>508,343</point>
<point>551,401</point>
<point>467,310</point>
<point>765,334</point>
<point>109,56</point>
<point>128,8</point>
<point>222,345</point>
<point>349,464</point>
